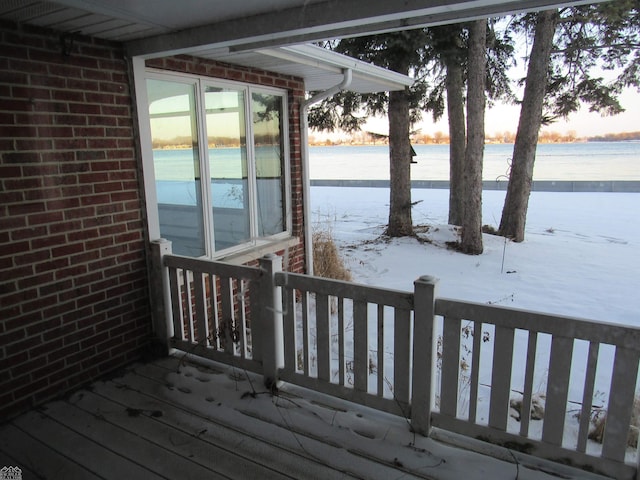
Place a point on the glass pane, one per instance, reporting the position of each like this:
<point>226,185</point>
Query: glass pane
<point>226,134</point>
<point>176,160</point>
<point>267,130</point>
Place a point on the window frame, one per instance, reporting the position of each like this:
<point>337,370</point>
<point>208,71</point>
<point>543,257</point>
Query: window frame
<point>200,84</point>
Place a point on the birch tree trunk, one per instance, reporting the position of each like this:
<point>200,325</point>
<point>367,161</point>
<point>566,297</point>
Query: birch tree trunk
<point>514,212</point>
<point>472,211</point>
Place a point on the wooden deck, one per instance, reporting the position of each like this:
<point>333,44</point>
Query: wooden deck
<point>176,419</point>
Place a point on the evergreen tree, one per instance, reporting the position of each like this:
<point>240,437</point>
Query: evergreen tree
<point>569,45</point>
<point>403,52</point>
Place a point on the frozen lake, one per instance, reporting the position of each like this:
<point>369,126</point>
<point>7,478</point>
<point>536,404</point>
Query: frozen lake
<point>569,161</point>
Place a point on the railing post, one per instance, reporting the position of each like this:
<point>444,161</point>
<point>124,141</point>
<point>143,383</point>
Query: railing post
<point>422,399</point>
<point>270,330</point>
<point>160,292</point>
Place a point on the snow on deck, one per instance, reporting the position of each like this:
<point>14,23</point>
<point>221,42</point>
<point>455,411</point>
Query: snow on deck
<point>178,419</point>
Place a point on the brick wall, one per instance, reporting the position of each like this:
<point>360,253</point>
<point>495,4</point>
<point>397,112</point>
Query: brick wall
<point>73,286</point>
<point>294,260</point>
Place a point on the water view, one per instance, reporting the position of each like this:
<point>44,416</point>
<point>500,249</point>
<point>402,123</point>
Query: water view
<point>569,161</point>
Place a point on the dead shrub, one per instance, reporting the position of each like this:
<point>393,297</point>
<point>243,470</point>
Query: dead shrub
<point>599,420</point>
<point>327,262</point>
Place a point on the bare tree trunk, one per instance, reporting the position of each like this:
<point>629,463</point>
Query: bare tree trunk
<point>514,213</point>
<point>457,138</point>
<point>476,77</point>
<point>400,222</point>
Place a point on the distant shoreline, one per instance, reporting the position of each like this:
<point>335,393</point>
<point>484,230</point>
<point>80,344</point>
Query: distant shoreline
<point>573,186</point>
<point>385,144</point>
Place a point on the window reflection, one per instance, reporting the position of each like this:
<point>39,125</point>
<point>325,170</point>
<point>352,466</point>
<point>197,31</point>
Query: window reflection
<point>226,136</point>
<point>269,156</point>
<point>176,161</point>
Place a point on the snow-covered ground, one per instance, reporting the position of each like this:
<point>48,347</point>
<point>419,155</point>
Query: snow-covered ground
<point>581,255</point>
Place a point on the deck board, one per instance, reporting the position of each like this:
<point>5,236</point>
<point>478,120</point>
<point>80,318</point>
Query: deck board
<point>203,441</point>
<point>17,449</point>
<point>173,418</point>
<point>282,439</point>
<point>127,441</point>
<point>95,457</point>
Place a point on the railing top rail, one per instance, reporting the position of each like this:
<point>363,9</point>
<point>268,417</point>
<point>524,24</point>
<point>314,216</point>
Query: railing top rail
<point>557,325</point>
<point>212,267</point>
<point>339,288</point>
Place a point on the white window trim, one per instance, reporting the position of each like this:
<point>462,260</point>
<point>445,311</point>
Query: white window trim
<point>255,244</point>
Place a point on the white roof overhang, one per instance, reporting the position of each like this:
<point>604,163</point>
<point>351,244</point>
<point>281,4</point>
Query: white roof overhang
<point>320,68</point>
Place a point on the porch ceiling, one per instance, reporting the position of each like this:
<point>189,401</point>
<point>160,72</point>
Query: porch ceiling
<point>155,26</point>
<point>257,33</point>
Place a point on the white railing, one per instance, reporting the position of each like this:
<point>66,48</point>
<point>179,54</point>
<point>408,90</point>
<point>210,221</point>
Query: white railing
<point>507,344</point>
<point>328,325</point>
<point>439,363</point>
<point>211,309</point>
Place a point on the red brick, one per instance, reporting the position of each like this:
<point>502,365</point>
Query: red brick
<point>56,156</point>
<point>20,157</point>
<point>102,120</point>
<point>67,250</point>
<point>39,303</point>
<point>63,204</point>
<point>28,233</point>
<point>59,332</point>
<point>31,257</point>
<point>84,109</point>
<point>70,143</point>
<point>23,184</point>
<point>68,95</point>
<point>47,81</point>
<point>53,265</point>
<point>82,212</point>
<point>69,226</point>
<point>24,345</point>
<point>12,336</point>
<point>42,218</point>
<point>71,271</point>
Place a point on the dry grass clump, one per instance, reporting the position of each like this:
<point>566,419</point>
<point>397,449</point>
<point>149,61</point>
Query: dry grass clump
<point>327,262</point>
<point>599,421</point>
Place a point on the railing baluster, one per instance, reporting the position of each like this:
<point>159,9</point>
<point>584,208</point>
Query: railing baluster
<point>200,309</point>
<point>289,329</point>
<point>475,371</point>
<point>241,321</point>
<point>226,296</point>
<point>214,320</point>
<point>323,345</point>
<point>176,304</point>
<point>450,366</point>
<point>306,348</point>
<point>360,346</point>
<point>380,356</point>
<point>501,377</point>
<point>527,394</point>
<point>623,385</point>
<point>587,396</point>
<point>401,355</point>
<point>341,340</point>
<point>188,304</point>
<point>557,389</point>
